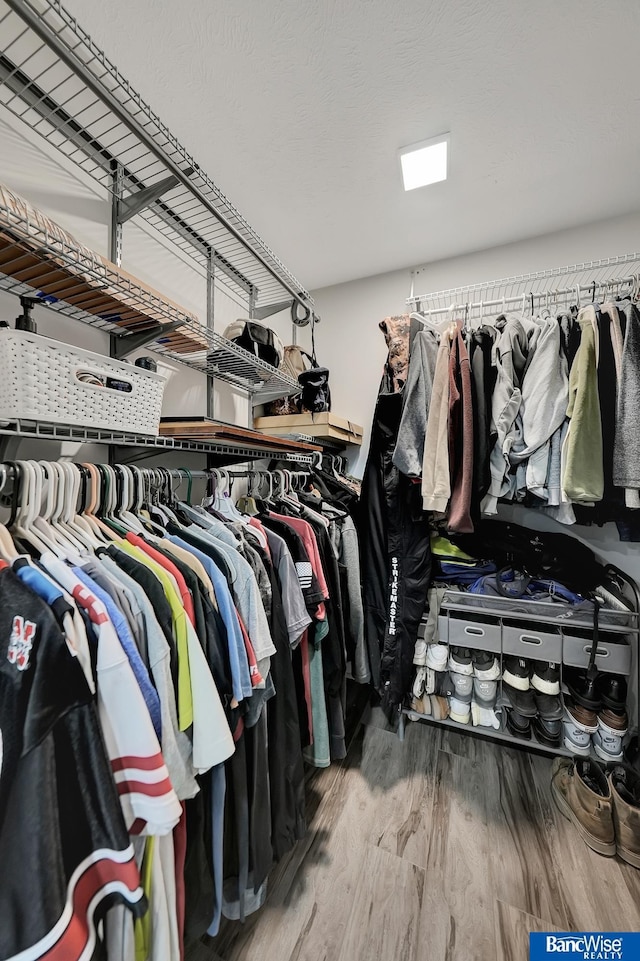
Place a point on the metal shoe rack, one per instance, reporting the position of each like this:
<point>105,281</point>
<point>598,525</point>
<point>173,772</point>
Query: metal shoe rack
<point>62,86</point>
<point>542,631</point>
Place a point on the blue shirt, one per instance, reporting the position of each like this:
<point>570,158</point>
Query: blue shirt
<point>240,676</point>
<point>119,622</point>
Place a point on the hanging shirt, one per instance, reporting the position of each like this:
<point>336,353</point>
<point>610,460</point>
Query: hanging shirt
<point>149,803</point>
<point>63,861</point>
<point>237,657</point>
<point>117,618</point>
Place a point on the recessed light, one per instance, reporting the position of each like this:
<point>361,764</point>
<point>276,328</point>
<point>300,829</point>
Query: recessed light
<point>425,163</point>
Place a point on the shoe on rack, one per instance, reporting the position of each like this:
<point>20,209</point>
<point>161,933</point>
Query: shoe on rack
<point>516,671</point>
<point>437,655</point>
<point>547,732</point>
<point>522,702</point>
<point>485,692</point>
<point>632,752</point>
<point>418,688</point>
<point>608,747</point>
<point>462,687</point>
<point>420,653</point>
<point>421,705</point>
<point>575,739</point>
<point>583,794</point>
<point>483,714</point>
<point>583,688</point>
<point>439,708</point>
<point>546,677</point>
<point>429,679</point>
<point>459,711</point>
<point>612,690</point>
<point>443,686</point>
<point>486,666</point>
<point>549,706</point>
<point>460,661</point>
<point>583,719</point>
<point>518,725</point>
<point>625,790</point>
<point>613,722</point>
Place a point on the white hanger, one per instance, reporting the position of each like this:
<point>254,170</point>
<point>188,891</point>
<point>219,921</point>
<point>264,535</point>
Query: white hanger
<point>7,547</point>
<point>438,326</point>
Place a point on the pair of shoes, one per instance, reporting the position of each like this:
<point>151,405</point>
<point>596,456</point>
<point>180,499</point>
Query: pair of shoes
<point>605,808</point>
<point>480,664</point>
<point>603,731</point>
<point>595,690</point>
<point>522,674</point>
<point>430,705</point>
<point>437,656</point>
<point>532,703</point>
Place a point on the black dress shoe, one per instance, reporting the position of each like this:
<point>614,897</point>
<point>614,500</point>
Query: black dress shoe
<point>547,732</point>
<point>522,702</point>
<point>519,726</point>
<point>549,706</point>
<point>583,688</point>
<point>612,689</point>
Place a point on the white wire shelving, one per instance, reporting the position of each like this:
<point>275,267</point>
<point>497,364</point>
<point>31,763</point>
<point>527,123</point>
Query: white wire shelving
<point>56,80</point>
<point>253,449</point>
<point>574,285</point>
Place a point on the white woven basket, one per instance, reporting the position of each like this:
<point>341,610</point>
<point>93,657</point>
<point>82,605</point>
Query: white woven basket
<point>41,379</point>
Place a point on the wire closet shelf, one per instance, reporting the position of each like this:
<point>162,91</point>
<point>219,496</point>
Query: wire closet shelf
<point>55,79</point>
<point>576,285</point>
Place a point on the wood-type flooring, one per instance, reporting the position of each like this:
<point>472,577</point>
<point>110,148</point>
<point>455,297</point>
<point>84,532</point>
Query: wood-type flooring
<point>441,848</point>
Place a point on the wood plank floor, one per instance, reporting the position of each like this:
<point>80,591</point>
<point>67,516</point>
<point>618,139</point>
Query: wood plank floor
<point>441,848</point>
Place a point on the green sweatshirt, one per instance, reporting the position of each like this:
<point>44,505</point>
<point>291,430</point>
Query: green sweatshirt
<point>582,474</point>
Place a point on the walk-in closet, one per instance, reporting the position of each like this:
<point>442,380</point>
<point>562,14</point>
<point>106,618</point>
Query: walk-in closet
<point>319,481</point>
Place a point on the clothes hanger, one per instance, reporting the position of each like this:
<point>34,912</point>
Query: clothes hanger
<point>73,516</point>
<point>29,495</point>
<point>438,327</point>
<point>55,479</point>
<point>7,547</point>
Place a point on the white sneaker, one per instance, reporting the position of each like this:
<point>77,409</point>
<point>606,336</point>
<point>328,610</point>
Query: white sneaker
<point>608,747</point>
<point>420,653</point>
<point>437,655</point>
<point>462,685</point>
<point>485,692</point>
<point>486,667</point>
<point>419,682</point>
<point>459,711</point>
<point>483,716</point>
<point>575,739</point>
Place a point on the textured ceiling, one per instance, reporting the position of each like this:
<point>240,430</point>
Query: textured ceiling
<point>297,109</point>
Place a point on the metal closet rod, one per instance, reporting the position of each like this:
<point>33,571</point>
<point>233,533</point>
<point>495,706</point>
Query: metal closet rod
<point>525,297</point>
<point>54,41</point>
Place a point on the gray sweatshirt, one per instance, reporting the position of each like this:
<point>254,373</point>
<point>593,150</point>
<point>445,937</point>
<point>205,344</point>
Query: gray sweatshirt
<point>626,451</point>
<point>409,450</point>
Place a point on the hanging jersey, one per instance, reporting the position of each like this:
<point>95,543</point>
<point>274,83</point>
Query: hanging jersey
<point>64,849</point>
<point>148,800</point>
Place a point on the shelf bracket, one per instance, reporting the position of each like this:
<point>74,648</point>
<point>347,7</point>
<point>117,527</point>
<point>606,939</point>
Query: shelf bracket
<point>123,345</point>
<point>130,206</point>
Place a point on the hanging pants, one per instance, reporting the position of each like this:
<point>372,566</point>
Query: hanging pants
<point>396,558</point>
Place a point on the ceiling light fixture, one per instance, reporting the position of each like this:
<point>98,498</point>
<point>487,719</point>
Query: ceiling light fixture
<point>425,163</point>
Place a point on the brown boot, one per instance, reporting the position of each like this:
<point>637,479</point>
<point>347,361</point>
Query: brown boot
<point>625,789</point>
<point>583,794</point>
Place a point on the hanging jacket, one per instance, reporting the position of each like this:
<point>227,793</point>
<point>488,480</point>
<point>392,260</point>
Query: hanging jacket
<point>626,451</point>
<point>483,378</point>
<point>545,395</point>
<point>436,479</point>
<point>582,474</point>
<point>459,511</point>
<point>409,450</point>
<point>511,355</point>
